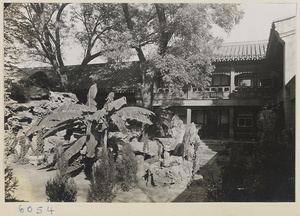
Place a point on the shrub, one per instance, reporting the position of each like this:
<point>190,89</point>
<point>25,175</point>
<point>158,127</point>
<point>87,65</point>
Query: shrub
<point>275,166</point>
<point>126,167</point>
<point>61,189</point>
<point>214,190</point>
<point>103,182</point>
<point>11,184</point>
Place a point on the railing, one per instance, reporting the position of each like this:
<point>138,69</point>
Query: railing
<point>214,92</point>
<point>252,92</point>
<point>222,92</point>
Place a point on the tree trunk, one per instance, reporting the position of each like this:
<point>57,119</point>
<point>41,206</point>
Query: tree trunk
<point>165,35</point>
<point>147,82</point>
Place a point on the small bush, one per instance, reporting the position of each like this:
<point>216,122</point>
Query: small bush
<point>126,167</point>
<point>103,182</point>
<point>61,189</point>
<point>214,191</point>
<point>11,184</point>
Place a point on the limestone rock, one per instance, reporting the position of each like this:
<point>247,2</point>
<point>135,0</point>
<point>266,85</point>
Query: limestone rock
<point>37,93</point>
<point>178,129</point>
<point>30,152</point>
<point>137,147</point>
<point>169,144</point>
<point>173,177</point>
<point>18,149</point>
<point>198,177</point>
<point>167,159</point>
<point>14,106</point>
<point>62,98</point>
<point>50,158</point>
<point>151,148</point>
<point>142,169</point>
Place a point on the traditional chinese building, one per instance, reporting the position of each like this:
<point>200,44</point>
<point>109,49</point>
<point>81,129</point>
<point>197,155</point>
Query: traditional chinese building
<point>247,76</point>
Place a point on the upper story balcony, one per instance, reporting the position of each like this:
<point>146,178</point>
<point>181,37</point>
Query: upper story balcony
<point>215,92</point>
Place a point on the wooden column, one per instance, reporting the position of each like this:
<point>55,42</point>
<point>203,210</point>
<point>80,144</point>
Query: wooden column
<point>188,116</point>
<point>232,76</point>
<point>231,123</point>
<point>189,92</point>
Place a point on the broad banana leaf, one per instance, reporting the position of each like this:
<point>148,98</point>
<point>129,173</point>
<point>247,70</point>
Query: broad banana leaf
<point>74,149</point>
<point>90,146</point>
<point>72,169</point>
<point>53,120</point>
<point>92,92</point>
<point>135,113</point>
<point>117,120</point>
<point>72,108</point>
<point>99,116</point>
<point>61,126</point>
<point>117,104</point>
<point>92,104</point>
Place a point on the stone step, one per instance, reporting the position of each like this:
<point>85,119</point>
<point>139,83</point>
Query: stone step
<point>215,145</point>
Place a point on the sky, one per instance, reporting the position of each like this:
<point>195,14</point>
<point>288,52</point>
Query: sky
<point>254,26</point>
<point>257,21</point>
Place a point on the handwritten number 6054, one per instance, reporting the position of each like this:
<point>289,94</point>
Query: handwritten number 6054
<point>39,209</point>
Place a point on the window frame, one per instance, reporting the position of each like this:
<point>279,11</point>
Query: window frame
<point>245,78</point>
<point>245,118</point>
<point>221,80</point>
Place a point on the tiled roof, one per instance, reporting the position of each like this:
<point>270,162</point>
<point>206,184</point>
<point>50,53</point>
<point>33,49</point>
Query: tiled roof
<point>108,79</point>
<point>241,51</point>
<point>122,79</point>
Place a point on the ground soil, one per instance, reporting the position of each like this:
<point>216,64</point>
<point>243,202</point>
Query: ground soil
<point>32,180</point>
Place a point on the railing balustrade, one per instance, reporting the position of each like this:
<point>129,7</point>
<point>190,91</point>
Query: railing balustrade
<point>214,92</point>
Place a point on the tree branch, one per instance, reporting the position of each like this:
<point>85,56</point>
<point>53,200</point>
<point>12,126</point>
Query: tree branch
<point>164,38</point>
<point>57,35</point>
<point>130,27</point>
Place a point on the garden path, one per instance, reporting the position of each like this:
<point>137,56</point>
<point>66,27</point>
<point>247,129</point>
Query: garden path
<point>32,180</point>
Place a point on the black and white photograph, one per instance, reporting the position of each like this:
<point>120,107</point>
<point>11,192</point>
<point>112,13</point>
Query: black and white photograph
<point>149,102</point>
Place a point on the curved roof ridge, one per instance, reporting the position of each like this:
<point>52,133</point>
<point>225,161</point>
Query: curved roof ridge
<point>284,18</point>
<point>241,51</point>
<point>245,42</point>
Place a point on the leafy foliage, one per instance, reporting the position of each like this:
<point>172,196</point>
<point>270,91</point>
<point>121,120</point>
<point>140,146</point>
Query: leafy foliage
<point>104,179</point>
<point>91,127</point>
<point>178,37</point>
<point>11,184</point>
<point>126,167</point>
<point>61,189</point>
<point>275,160</point>
<point>257,172</point>
<point>181,41</point>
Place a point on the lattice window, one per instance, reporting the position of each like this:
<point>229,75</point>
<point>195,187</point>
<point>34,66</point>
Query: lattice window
<point>200,117</point>
<point>221,80</point>
<point>225,80</point>
<point>245,118</point>
<point>224,116</point>
<point>217,80</point>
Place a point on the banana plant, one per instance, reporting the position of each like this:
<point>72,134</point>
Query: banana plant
<point>91,125</point>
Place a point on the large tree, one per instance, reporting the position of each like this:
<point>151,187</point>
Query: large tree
<point>102,32</point>
<point>182,41</point>
<point>173,42</point>
<point>38,27</point>
<point>48,30</point>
